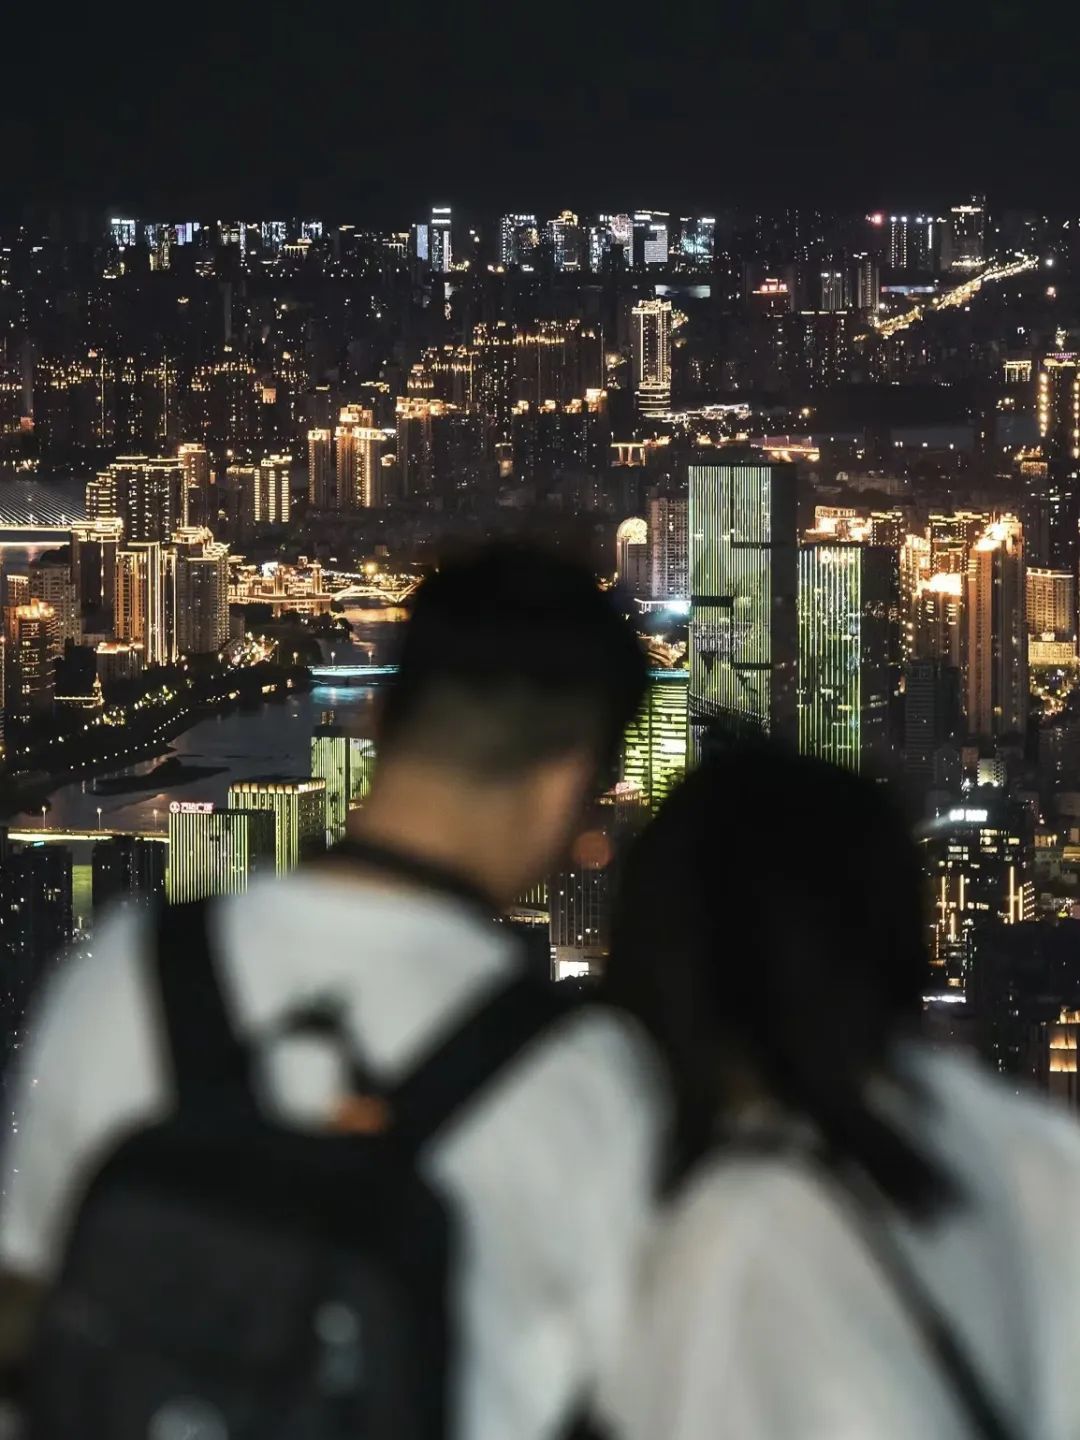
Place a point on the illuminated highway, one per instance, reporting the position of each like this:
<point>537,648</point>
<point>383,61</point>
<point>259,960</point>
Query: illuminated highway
<point>959,295</point>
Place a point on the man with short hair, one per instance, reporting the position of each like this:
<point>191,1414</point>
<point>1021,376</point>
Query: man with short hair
<point>517,677</point>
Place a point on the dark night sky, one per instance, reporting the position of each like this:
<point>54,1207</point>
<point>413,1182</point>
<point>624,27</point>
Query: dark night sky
<point>372,112</point>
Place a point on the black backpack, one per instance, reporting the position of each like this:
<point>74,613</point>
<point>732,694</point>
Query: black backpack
<point>230,1279</point>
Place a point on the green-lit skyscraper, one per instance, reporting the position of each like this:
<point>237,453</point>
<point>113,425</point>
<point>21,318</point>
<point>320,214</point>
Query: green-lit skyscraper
<point>345,763</point>
<point>654,745</point>
<point>845,594</point>
<point>743,578</point>
<point>299,810</point>
<point>216,852</point>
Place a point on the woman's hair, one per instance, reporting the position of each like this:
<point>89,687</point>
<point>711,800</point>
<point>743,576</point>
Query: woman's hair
<point>770,921</point>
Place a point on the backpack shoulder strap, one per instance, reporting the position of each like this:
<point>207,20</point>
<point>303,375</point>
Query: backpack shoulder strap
<point>465,1061</point>
<point>209,1062</point>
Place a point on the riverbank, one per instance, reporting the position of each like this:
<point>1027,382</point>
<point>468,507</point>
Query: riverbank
<point>171,771</point>
<point>142,734</point>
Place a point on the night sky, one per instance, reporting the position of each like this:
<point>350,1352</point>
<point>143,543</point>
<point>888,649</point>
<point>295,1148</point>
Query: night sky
<point>370,112</point>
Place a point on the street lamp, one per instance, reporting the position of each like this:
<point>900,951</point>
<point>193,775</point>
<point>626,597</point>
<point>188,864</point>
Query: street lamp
<point>43,808</point>
<point>155,819</point>
<point>99,817</point>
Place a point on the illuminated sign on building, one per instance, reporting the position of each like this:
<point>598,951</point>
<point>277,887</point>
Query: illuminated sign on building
<point>191,807</point>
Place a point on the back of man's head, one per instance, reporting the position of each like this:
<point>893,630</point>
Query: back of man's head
<point>512,657</point>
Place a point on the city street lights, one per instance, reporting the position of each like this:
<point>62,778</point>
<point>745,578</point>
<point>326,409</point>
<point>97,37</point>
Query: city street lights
<point>43,809</point>
<point>99,817</point>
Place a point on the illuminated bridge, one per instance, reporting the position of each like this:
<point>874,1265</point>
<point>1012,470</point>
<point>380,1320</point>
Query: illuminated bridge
<point>960,295</point>
<point>40,510</point>
<point>38,835</point>
<point>352,674</point>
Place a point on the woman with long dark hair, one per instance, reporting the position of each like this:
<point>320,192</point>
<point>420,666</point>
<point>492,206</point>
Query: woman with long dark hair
<point>865,1237</point>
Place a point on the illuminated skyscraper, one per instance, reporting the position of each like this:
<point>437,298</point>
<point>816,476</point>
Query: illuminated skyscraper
<point>697,239</point>
<point>144,614</point>
<point>94,547</point>
<point>518,238</point>
<point>51,582</point>
<point>995,649</point>
<point>978,857</point>
<point>865,284</point>
<point>967,235</point>
<point>31,658</point>
<point>440,253</point>
<point>146,494</point>
<point>669,548</point>
<point>299,810</point>
<point>128,870</point>
<point>321,485</point>
<point>344,763</point>
<point>216,852</point>
<point>833,290</point>
<point>195,464</point>
<point>654,745</point>
<point>650,238</point>
<point>938,628</point>
<point>632,555</point>
<point>265,493</point>
<point>1059,406</point>
<point>567,239</point>
<point>1051,616</point>
<point>845,594</point>
<point>931,717</point>
<point>743,577</point>
<point>201,578</point>
<point>651,343</point>
<point>358,473</point>
<point>415,443</point>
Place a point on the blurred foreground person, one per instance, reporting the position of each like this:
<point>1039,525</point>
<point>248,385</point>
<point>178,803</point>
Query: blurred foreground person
<point>516,680</point>
<point>867,1239</point>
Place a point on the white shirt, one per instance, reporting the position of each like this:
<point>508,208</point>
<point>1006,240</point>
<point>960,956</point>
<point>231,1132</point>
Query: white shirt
<point>550,1172</point>
<point>764,1317</point>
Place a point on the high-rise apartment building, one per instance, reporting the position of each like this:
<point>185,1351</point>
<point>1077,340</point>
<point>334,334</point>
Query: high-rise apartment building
<point>51,583</point>
<point>299,810</point>
<point>216,852</point>
<point>938,618</point>
<point>1058,405</point>
<point>519,236</point>
<point>931,717</point>
<point>197,504</point>
<point>651,238</point>
<point>144,610</point>
<point>201,579</point>
<point>128,870</point>
<point>147,494</point>
<point>865,283</point>
<point>321,481</point>
<point>1051,617</point>
<point>743,580</point>
<point>655,742</point>
<point>651,347</point>
<point>669,548</point>
<point>567,240</point>
<point>264,497</point>
<point>632,555</point>
<point>415,443</point>
<point>358,472</point>
<point>94,548</point>
<point>845,595</point>
<point>995,631</point>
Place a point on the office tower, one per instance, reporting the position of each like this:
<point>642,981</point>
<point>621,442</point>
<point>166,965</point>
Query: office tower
<point>94,547</point>
<point>654,744</point>
<point>321,485</point>
<point>1059,406</point>
<point>1051,617</point>
<point>127,871</point>
<point>669,548</point>
<point>995,650</point>
<point>978,856</point>
<point>743,618</point>
<point>299,810</point>
<point>567,240</point>
<point>344,763</point>
<point>197,505</point>
<point>440,255</point>
<point>51,583</point>
<point>650,238</point>
<point>36,924</point>
<point>967,235</point>
<point>144,613</point>
<point>833,290</point>
<point>201,580</point>
<point>519,236</point>
<point>31,658</point>
<point>951,538</point>
<point>914,242</point>
<point>216,852</point>
<point>938,619</point>
<point>358,474</point>
<point>931,718</point>
<point>845,595</point>
<point>697,241</point>
<point>146,494</point>
<point>865,283</point>
<point>651,345</point>
<point>632,555</point>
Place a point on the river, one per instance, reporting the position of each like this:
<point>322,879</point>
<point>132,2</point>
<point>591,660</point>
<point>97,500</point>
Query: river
<point>275,740</point>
